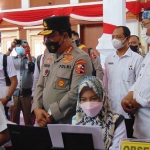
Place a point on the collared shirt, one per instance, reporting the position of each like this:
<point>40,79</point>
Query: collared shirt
<point>10,69</point>
<point>120,75</point>
<point>141,91</point>
<point>24,75</point>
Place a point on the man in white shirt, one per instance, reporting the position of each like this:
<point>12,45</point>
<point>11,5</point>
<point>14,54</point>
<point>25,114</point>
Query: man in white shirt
<point>138,99</point>
<point>121,71</point>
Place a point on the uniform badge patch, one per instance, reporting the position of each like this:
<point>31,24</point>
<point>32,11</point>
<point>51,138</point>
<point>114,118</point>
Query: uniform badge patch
<point>67,58</point>
<point>69,50</point>
<point>46,72</point>
<point>80,67</point>
<point>49,60</point>
<point>61,83</point>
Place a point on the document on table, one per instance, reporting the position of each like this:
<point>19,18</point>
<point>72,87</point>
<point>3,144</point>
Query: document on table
<point>55,131</point>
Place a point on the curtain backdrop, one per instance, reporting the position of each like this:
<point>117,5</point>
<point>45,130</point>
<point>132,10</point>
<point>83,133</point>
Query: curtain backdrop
<point>89,12</point>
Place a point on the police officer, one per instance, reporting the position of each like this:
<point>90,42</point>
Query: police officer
<point>56,93</point>
<point>96,64</point>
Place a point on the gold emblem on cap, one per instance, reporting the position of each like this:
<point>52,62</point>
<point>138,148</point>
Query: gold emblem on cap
<point>45,25</point>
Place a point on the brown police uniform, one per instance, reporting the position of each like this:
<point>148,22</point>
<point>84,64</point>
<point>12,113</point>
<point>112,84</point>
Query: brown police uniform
<point>58,82</point>
<point>96,64</point>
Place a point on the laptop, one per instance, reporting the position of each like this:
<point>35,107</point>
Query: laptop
<point>29,137</point>
<point>78,141</point>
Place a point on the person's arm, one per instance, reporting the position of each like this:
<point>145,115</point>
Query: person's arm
<point>105,78</point>
<point>4,134</point>
<point>142,98</point>
<point>126,103</point>
<point>27,51</point>
<point>120,133</point>
<point>98,67</point>
<point>11,90</point>
<point>10,49</point>
<point>13,79</point>
<point>4,137</point>
<point>138,67</point>
<point>36,77</point>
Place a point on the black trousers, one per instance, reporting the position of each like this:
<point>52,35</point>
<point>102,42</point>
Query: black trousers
<point>129,127</point>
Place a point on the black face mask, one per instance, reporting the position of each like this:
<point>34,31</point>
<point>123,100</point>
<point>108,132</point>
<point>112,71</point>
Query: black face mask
<point>77,42</point>
<point>53,46</point>
<point>134,48</point>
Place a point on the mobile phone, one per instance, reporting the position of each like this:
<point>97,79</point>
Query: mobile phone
<point>18,41</point>
<point>24,43</point>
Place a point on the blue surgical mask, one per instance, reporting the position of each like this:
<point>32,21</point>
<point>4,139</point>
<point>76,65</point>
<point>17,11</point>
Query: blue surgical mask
<point>20,50</point>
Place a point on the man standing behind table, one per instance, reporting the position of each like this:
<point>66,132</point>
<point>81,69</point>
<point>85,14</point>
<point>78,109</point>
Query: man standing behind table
<point>55,96</point>
<point>121,71</point>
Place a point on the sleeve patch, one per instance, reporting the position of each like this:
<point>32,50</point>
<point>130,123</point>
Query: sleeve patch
<point>80,67</point>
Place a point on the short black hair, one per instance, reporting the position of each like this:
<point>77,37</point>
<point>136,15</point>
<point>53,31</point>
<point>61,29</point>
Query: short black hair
<point>75,33</point>
<point>135,36</point>
<point>147,9</point>
<point>126,30</point>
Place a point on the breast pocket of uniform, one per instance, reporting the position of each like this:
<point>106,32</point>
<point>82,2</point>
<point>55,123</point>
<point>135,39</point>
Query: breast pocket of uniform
<point>128,75</point>
<point>63,79</point>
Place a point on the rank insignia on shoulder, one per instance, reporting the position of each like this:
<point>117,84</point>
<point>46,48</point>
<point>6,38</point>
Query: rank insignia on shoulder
<point>69,50</point>
<point>80,67</point>
<point>110,63</point>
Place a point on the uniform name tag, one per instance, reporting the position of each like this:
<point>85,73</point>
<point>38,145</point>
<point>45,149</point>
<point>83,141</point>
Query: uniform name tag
<point>46,65</point>
<point>110,63</point>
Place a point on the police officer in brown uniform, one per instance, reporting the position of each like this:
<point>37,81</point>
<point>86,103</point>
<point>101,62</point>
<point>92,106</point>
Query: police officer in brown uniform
<point>56,93</point>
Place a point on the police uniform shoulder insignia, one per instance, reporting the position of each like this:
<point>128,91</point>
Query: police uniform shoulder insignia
<point>80,67</point>
<point>67,58</point>
<point>69,50</point>
<point>61,83</point>
<point>93,55</point>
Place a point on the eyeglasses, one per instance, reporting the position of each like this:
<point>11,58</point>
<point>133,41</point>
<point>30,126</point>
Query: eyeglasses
<point>144,24</point>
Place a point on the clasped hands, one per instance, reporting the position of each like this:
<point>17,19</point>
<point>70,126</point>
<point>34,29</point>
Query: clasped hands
<point>130,106</point>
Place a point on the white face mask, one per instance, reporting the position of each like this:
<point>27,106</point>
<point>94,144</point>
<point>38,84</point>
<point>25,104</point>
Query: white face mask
<point>91,108</point>
<point>144,36</point>
<point>117,44</point>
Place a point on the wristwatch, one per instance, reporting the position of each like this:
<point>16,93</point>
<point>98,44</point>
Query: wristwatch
<point>49,112</point>
<point>8,98</point>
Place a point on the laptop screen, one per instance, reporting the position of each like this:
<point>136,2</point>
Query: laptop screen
<point>78,141</point>
<point>29,137</point>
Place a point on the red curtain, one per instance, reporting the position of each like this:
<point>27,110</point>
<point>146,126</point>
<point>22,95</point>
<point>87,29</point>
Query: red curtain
<point>89,11</point>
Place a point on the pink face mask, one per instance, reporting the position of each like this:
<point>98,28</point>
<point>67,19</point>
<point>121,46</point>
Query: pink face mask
<point>91,108</point>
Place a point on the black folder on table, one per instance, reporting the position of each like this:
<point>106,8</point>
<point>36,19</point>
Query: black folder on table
<point>29,137</point>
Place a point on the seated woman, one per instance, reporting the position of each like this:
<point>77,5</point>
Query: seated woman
<point>93,109</point>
